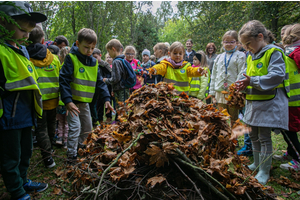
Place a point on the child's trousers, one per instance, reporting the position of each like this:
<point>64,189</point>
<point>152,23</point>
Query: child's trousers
<point>45,131</point>
<point>79,128</point>
<point>15,153</point>
<point>261,139</point>
<point>63,128</point>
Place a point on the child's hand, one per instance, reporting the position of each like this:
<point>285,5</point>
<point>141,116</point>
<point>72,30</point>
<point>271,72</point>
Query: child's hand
<point>202,71</point>
<point>151,71</point>
<point>104,79</point>
<point>109,107</point>
<point>214,101</point>
<point>72,108</point>
<point>241,85</point>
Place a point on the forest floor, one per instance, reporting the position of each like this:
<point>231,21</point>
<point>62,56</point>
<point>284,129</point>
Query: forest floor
<point>58,189</point>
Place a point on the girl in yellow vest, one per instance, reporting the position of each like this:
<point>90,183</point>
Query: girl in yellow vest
<point>291,41</point>
<point>226,69</point>
<point>267,100</point>
<point>176,70</point>
<point>199,85</point>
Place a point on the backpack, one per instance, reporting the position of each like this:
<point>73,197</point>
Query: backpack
<point>130,81</point>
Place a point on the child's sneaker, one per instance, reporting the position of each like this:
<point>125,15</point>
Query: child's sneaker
<point>284,157</point>
<point>293,164</point>
<point>49,162</point>
<point>65,145</point>
<point>34,186</point>
<point>59,141</point>
<point>24,197</point>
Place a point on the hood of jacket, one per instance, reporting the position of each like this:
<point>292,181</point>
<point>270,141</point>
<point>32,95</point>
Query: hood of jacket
<point>263,50</point>
<point>40,56</point>
<point>85,60</point>
<point>164,61</point>
<point>104,64</point>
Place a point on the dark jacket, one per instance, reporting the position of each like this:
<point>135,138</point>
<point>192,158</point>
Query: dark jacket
<point>21,101</point>
<point>190,58</point>
<point>118,73</point>
<point>66,74</point>
<point>37,51</point>
<point>155,78</point>
<point>105,72</point>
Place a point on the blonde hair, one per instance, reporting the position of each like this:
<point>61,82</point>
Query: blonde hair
<point>231,33</point>
<point>203,62</point>
<point>128,48</point>
<point>291,34</point>
<point>255,27</point>
<point>63,53</point>
<point>114,43</point>
<point>163,47</point>
<point>176,45</point>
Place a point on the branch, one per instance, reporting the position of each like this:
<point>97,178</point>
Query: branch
<point>114,162</point>
<point>196,188</point>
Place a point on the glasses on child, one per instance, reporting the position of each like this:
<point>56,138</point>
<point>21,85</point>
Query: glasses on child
<point>129,54</point>
<point>231,42</point>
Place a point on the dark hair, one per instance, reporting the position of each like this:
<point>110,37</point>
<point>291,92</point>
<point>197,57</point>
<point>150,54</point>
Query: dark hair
<point>25,19</point>
<point>190,40</point>
<point>36,35</point>
<point>60,39</point>
<point>114,43</point>
<point>54,49</point>
<point>88,35</point>
<point>210,44</point>
<point>97,51</point>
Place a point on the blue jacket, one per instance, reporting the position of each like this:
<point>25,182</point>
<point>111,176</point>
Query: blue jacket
<point>18,107</point>
<point>155,78</point>
<point>66,74</point>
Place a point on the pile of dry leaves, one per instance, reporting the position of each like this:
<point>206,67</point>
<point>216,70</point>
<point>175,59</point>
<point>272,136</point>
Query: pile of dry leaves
<point>165,147</point>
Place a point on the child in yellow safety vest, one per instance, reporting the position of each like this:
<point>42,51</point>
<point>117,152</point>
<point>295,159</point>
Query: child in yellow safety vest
<point>47,66</point>
<point>176,70</point>
<point>78,79</point>
<point>20,99</point>
<point>199,85</point>
<point>265,81</point>
<point>291,41</point>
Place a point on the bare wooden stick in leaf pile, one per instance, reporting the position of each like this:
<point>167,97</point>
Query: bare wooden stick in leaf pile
<point>175,128</point>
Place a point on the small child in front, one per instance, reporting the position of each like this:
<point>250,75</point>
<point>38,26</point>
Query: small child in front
<point>78,79</point>
<point>264,81</point>
<point>20,100</point>
<point>175,70</point>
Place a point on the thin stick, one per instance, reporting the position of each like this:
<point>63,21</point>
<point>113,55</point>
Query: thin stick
<point>114,162</point>
<point>196,188</point>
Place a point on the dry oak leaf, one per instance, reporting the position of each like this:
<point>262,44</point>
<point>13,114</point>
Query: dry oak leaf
<point>57,191</point>
<point>121,137</point>
<point>156,179</point>
<point>158,156</point>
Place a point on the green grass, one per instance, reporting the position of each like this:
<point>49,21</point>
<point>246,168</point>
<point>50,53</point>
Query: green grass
<point>38,172</point>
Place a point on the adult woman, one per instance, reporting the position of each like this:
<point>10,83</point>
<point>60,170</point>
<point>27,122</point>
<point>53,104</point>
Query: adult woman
<point>210,54</point>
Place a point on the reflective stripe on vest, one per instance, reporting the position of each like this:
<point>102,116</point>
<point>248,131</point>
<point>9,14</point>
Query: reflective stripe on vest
<point>259,67</point>
<point>179,78</point>
<point>48,79</point>
<point>294,77</point>
<point>195,84</point>
<point>20,75</point>
<point>84,80</point>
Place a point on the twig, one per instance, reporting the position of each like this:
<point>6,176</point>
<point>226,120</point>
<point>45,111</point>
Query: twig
<point>203,180</point>
<point>196,188</point>
<point>114,162</point>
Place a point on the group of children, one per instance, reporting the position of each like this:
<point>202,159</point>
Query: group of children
<point>38,87</point>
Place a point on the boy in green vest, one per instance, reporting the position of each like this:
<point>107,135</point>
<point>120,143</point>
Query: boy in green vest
<point>78,79</point>
<point>47,66</point>
<point>20,100</point>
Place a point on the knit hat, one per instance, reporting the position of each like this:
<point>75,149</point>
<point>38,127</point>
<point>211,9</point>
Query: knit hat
<point>146,52</point>
<point>22,8</point>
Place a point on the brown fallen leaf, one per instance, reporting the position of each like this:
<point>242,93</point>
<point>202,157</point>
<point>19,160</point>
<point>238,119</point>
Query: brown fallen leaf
<point>156,179</point>
<point>57,191</point>
<point>239,131</point>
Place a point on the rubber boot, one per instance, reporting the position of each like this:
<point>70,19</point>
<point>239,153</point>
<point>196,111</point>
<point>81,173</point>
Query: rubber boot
<point>263,174</point>
<point>254,165</point>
